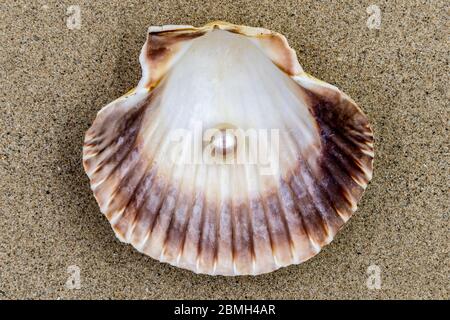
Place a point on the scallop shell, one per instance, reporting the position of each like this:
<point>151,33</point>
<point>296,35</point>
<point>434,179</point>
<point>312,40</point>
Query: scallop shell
<point>223,213</point>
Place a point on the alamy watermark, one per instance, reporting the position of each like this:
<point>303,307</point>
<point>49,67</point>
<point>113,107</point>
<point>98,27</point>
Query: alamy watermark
<point>373,281</point>
<point>374,20</point>
<point>74,17</point>
<point>224,144</point>
<point>74,279</point>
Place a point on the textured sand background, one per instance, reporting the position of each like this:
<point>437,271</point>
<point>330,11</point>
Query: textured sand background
<point>54,80</point>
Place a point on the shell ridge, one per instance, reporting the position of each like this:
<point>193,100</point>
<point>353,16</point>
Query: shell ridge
<point>185,216</point>
<point>299,212</point>
<point>199,243</point>
<point>285,224</point>
<point>185,225</point>
<point>314,200</point>
<point>168,206</point>
<point>154,216</point>
<point>288,199</point>
<point>162,221</point>
<point>234,238</point>
<point>225,243</point>
<point>126,180</point>
<point>329,129</point>
<point>269,232</point>
<point>320,200</point>
<point>263,204</point>
<point>249,222</point>
<point>218,226</point>
<point>239,226</point>
<point>185,230</point>
<point>292,174</point>
<point>293,194</point>
<point>101,188</point>
<point>201,225</point>
<point>207,245</point>
<point>348,131</point>
<point>150,176</point>
<point>335,136</point>
<point>167,233</point>
<point>132,136</point>
<point>349,204</point>
<point>355,168</point>
<point>151,158</point>
<point>251,212</point>
<point>126,210</point>
<point>128,176</point>
<point>339,178</point>
<point>119,103</point>
<point>191,238</point>
<point>346,149</point>
<point>313,221</point>
<point>345,165</point>
<point>151,204</point>
<point>100,166</point>
<point>216,233</point>
<point>349,167</point>
<point>189,226</point>
<point>283,252</point>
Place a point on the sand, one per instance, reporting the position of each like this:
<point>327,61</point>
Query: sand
<point>56,78</point>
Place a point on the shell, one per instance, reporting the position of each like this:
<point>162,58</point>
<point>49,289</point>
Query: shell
<point>227,214</point>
